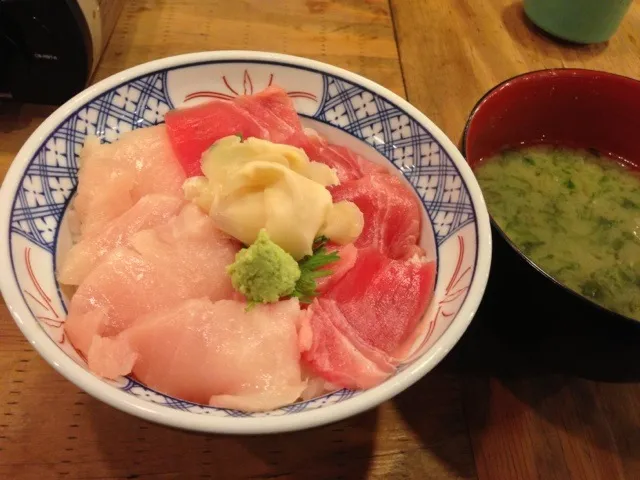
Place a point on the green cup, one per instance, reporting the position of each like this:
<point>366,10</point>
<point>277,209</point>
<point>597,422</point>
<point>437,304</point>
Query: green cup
<point>579,21</point>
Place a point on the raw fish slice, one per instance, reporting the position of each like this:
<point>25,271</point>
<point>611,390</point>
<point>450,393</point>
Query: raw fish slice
<point>305,333</point>
<point>391,214</point>
<point>268,340</point>
<point>157,167</point>
<point>258,402</point>
<point>193,251</point>
<point>347,164</point>
<point>193,225</point>
<point>80,328</point>
<point>316,386</point>
<point>268,115</point>
<point>333,355</point>
<point>383,299</point>
<point>184,376</point>
<point>148,212</point>
<point>185,258</point>
<point>348,255</point>
<point>112,177</point>
<point>360,327</point>
<point>274,110</point>
<point>124,286</point>
<point>104,187</point>
<point>271,344</point>
<point>109,205</point>
<point>193,130</point>
<point>333,311</point>
<point>224,355</point>
<point>107,355</point>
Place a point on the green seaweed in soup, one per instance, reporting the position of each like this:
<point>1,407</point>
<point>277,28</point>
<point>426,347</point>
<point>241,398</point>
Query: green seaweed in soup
<point>575,215</point>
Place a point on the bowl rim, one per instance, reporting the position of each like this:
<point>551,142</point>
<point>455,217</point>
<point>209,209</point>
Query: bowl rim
<point>547,73</point>
<point>543,72</point>
<point>125,402</point>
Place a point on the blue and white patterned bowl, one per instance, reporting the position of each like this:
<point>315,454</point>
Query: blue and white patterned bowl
<point>347,108</point>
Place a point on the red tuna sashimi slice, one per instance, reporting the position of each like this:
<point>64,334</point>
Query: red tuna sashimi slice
<point>275,111</point>
<point>216,353</point>
<point>113,177</point>
<point>347,254</point>
<point>384,300</point>
<point>391,214</point>
<point>268,115</point>
<point>185,258</point>
<point>347,164</point>
<point>193,130</point>
<point>338,354</point>
<point>149,211</point>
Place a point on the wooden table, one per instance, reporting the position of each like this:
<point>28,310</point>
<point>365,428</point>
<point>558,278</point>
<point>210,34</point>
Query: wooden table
<point>526,394</point>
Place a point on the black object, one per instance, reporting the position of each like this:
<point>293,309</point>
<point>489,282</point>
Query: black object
<point>46,50</point>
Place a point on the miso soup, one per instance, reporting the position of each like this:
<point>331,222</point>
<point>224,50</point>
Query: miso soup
<point>575,214</point>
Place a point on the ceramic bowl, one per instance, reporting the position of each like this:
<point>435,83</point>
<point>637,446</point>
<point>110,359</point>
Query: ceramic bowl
<point>571,107</point>
<point>348,109</point>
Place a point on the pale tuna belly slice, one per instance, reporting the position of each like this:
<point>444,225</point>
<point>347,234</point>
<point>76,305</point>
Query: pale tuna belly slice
<point>184,258</point>
<point>193,251</point>
<point>112,177</point>
<point>149,211</point>
<point>123,287</point>
<point>216,353</point>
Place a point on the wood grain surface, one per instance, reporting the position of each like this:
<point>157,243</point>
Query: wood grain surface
<point>528,393</point>
<point>453,52</point>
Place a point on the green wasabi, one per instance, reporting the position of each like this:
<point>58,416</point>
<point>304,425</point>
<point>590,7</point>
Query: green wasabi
<point>264,272</point>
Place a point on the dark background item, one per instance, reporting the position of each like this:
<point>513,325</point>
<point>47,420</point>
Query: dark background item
<point>49,48</point>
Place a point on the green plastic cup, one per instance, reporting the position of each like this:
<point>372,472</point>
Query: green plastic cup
<point>579,21</point>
